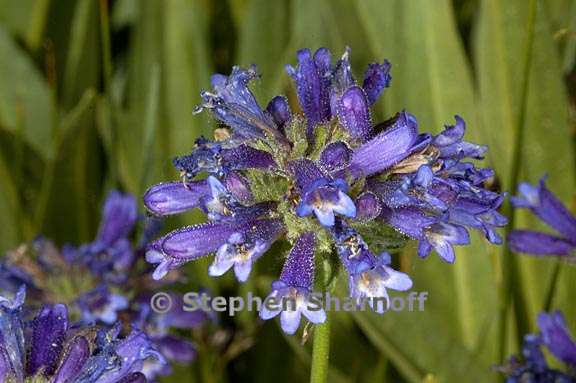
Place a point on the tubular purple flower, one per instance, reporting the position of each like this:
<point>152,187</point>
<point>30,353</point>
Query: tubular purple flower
<point>77,354</point>
<point>335,156</point>
<point>534,242</point>
<point>49,329</point>
<point>311,85</point>
<point>293,290</point>
<point>372,282</point>
<point>235,105</point>
<point>368,206</point>
<point>354,113</point>
<point>135,377</point>
<point>175,197</point>
<point>387,148</point>
<point>246,157</point>
<point>325,199</point>
<point>376,78</point>
<point>480,214</point>
<point>544,204</point>
<point>305,173</point>
<point>442,237</point>
<point>12,344</point>
<point>176,349</point>
<point>186,244</point>
<point>450,144</point>
<point>279,110</point>
<point>430,232</point>
<point>556,336</point>
<point>118,218</point>
<point>133,351</point>
<point>342,76</point>
<point>239,187</point>
<point>243,248</point>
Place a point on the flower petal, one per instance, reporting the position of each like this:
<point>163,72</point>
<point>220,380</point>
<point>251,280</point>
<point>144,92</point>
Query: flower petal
<point>397,280</point>
<point>290,320</point>
<point>345,206</point>
<point>270,312</point>
<point>314,316</point>
<point>242,270</point>
<point>324,216</point>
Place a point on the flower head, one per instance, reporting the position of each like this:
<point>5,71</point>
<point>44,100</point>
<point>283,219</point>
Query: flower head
<point>100,282</point>
<point>532,366</point>
<point>325,180</point>
<point>56,350</point>
<point>546,206</point>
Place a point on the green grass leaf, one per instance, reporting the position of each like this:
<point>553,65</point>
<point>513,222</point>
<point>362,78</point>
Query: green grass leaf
<point>25,99</point>
<point>10,208</point>
<point>547,146</point>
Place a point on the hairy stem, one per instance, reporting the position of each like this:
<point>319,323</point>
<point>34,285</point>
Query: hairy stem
<point>321,353</point>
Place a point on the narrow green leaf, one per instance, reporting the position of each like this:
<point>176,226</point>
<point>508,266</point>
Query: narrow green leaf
<point>37,23</point>
<point>546,147</point>
<point>24,96</point>
<point>187,71</point>
<point>266,50</point>
<point>15,15</point>
<point>82,64</point>
<point>68,199</point>
<point>10,208</point>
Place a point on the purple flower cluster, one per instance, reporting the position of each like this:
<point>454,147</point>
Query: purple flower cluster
<point>325,180</point>
<point>101,282</point>
<point>51,348</point>
<point>550,210</point>
<point>532,366</point>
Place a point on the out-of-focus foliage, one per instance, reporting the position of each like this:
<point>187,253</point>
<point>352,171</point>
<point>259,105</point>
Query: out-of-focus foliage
<point>98,93</point>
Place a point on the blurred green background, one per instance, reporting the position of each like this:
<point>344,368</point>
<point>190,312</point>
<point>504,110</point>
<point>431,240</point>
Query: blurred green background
<point>96,94</point>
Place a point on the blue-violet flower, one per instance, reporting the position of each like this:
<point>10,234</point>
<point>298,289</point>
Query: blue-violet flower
<point>326,180</point>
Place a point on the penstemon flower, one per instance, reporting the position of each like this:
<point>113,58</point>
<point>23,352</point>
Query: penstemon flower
<point>103,282</point>
<point>50,348</point>
<point>532,366</point>
<point>325,180</point>
<point>548,208</point>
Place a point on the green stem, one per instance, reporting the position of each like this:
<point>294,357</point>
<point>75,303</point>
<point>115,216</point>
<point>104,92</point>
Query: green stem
<point>553,285</point>
<point>511,278</point>
<point>321,352</point>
